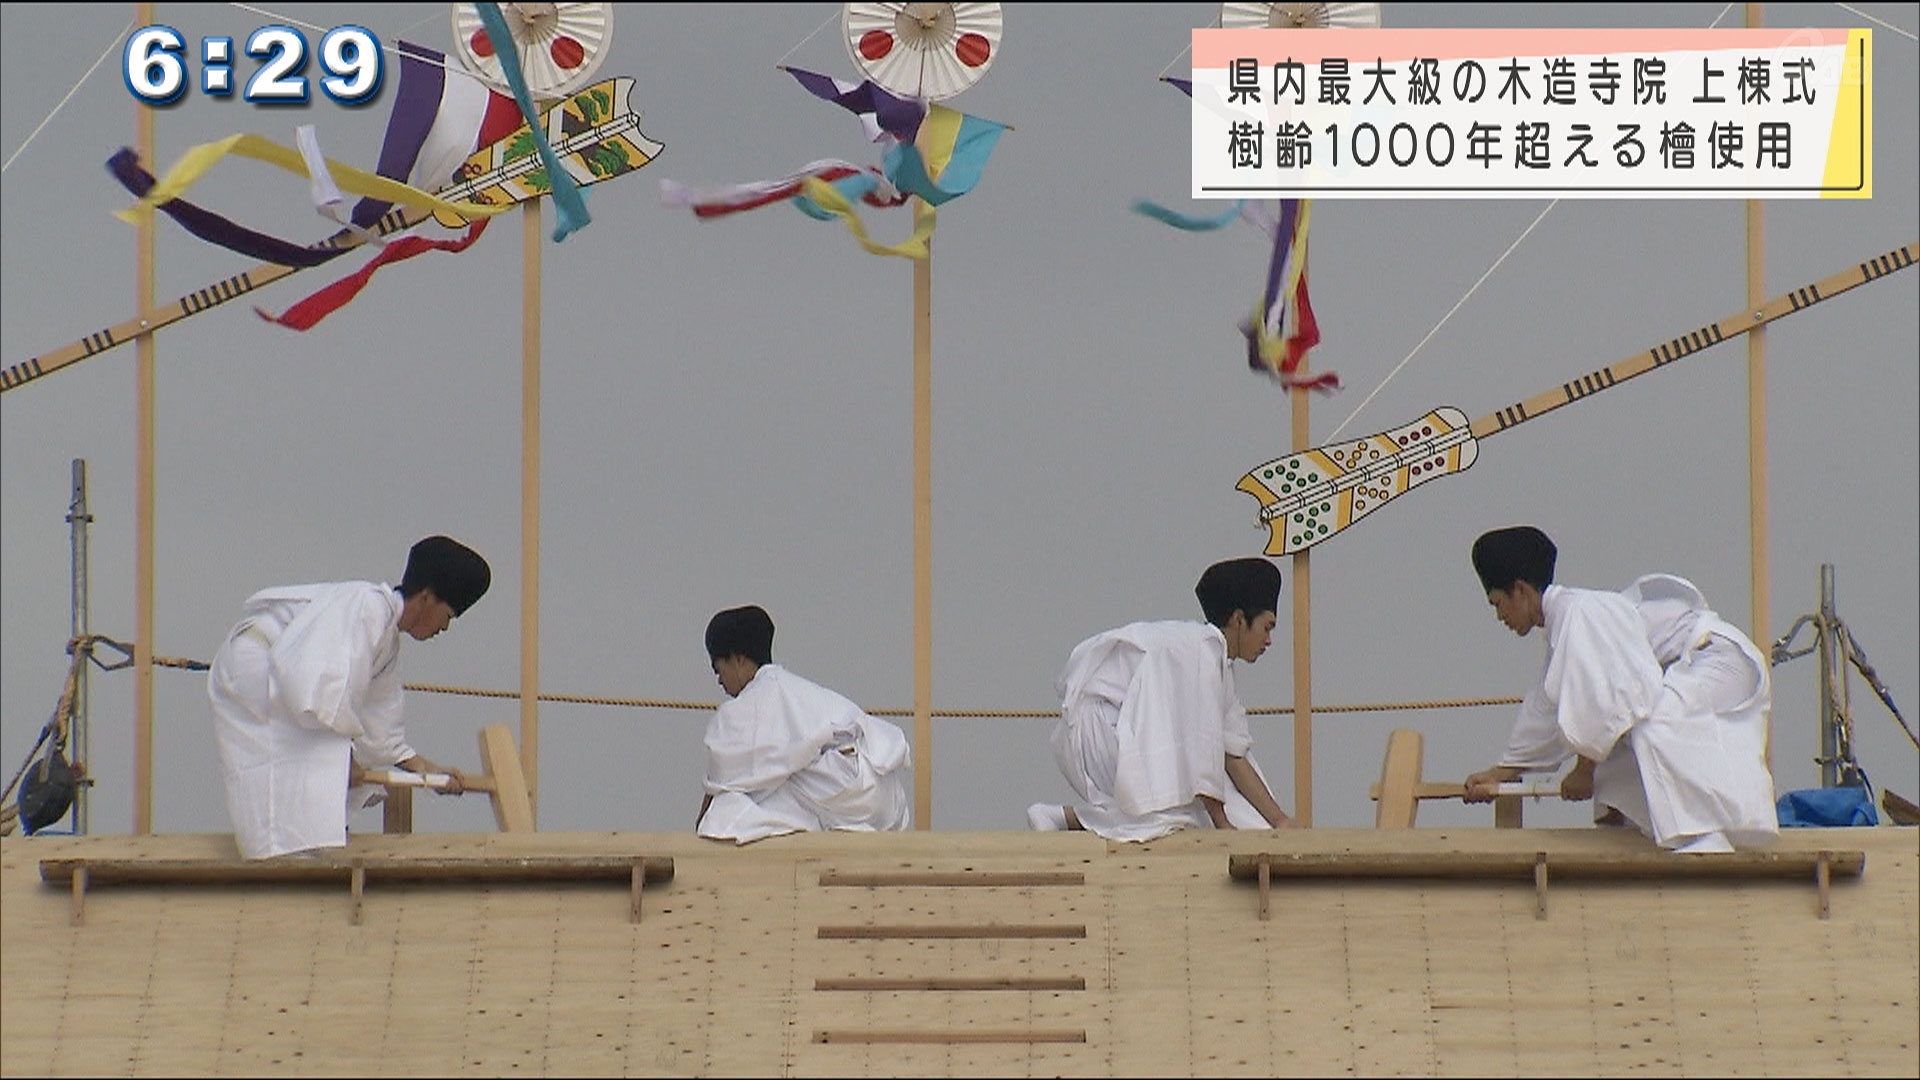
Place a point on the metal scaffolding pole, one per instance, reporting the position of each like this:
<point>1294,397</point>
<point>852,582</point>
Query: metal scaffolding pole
<point>79,523</point>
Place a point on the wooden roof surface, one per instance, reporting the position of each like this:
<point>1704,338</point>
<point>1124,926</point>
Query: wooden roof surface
<point>728,971</point>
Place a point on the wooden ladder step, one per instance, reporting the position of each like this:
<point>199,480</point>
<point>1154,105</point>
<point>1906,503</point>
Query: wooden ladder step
<point>944,982</point>
<point>989,930</point>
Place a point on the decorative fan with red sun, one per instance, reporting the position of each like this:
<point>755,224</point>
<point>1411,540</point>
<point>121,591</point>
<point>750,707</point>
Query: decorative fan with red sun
<point>560,46</point>
<point>925,51</point>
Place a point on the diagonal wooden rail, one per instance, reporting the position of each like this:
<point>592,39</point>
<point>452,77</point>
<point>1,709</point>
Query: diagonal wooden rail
<point>1309,496</point>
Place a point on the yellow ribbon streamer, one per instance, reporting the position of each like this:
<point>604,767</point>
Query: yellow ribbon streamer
<point>828,198</point>
<point>939,130</point>
<point>196,161</point>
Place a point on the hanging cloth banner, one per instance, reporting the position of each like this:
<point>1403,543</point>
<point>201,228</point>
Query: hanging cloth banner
<point>880,112</point>
<point>438,121</point>
<point>569,207</point>
<point>436,125</point>
<point>1282,328</point>
<point>946,157</point>
<point>196,161</point>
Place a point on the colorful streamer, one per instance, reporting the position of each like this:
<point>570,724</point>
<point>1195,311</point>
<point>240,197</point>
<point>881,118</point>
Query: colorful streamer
<point>199,159</point>
<point>211,227</point>
<point>835,204</point>
<point>308,312</point>
<point>1282,328</point>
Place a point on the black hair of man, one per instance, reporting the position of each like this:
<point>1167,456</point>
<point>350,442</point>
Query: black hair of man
<point>1249,586</point>
<point>742,631</point>
<point>1516,553</point>
<point>455,572</point>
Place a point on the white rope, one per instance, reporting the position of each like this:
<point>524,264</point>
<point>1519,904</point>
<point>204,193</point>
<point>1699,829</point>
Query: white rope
<point>1212,25</point>
<point>111,45</point>
<point>782,62</point>
<point>405,30</point>
<point>1458,304</point>
<point>1908,34</point>
<point>1476,285</point>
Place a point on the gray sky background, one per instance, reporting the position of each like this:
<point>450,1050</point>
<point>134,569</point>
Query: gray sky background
<point>727,416</point>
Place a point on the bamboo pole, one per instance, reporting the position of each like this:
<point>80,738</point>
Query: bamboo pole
<point>530,218</point>
<point>144,499</point>
<point>923,536</point>
<point>1757,424</point>
<point>1302,644</point>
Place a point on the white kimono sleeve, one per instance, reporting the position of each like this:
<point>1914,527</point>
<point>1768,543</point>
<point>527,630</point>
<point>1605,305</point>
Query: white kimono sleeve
<point>1601,676</point>
<point>320,668</point>
<point>384,743</point>
<point>1535,745</point>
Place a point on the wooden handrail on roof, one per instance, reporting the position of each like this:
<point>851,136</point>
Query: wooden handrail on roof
<point>332,869</point>
<point>1820,865</point>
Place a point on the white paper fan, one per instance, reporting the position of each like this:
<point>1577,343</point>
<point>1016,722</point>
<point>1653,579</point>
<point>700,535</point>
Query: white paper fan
<point>925,51</point>
<point>1299,16</point>
<point>560,45</point>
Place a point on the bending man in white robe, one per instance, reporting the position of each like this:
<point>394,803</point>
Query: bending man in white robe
<point>788,755</point>
<point>307,688</point>
<point>1151,733</point>
<point>1660,700</point>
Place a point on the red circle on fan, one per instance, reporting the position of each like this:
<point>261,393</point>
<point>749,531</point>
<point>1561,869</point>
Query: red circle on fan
<point>875,44</point>
<point>567,52</point>
<point>973,49</point>
<point>481,44</point>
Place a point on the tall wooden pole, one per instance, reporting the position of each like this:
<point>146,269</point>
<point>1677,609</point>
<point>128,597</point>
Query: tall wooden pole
<point>1302,644</point>
<point>143,500</point>
<point>1757,424</point>
<point>530,219</point>
<point>923,536</point>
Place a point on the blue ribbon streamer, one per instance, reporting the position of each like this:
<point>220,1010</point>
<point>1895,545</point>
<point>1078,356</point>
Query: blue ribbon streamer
<point>568,204</point>
<point>1189,222</point>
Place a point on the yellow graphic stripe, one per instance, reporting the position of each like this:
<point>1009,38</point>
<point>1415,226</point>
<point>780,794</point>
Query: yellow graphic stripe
<point>1850,147</point>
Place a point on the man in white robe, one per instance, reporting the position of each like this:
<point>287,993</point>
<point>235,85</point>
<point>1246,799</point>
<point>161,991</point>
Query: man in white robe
<point>1151,734</point>
<point>306,690</point>
<point>1706,749</point>
<point>1662,741</point>
<point>788,755</point>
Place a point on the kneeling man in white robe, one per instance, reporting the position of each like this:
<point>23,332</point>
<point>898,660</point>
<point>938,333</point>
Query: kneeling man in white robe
<point>788,755</point>
<point>1661,701</point>
<point>1151,733</point>
<point>307,687</point>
